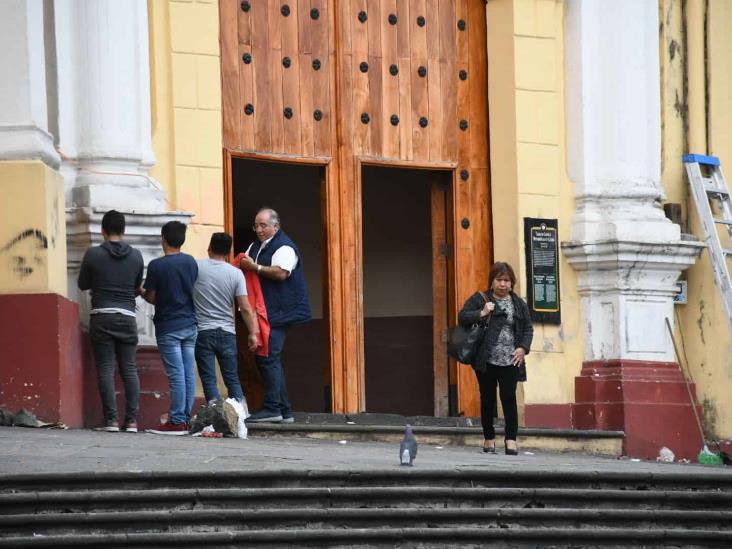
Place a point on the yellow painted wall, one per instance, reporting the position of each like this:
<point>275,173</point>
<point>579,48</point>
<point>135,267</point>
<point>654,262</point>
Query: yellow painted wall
<point>528,170</point>
<point>186,112</point>
<point>703,334</point>
<point>33,229</point>
<point>186,92</point>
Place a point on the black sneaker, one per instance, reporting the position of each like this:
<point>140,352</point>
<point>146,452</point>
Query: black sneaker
<point>263,416</point>
<point>288,419</point>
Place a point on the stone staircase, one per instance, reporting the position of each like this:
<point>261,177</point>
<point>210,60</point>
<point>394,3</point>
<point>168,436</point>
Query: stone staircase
<point>385,508</point>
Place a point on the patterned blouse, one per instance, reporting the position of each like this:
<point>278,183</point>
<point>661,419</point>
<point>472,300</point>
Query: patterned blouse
<point>502,353</point>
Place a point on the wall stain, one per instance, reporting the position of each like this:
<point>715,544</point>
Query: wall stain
<point>673,47</point>
<point>680,107</point>
<point>709,411</point>
<point>700,320</point>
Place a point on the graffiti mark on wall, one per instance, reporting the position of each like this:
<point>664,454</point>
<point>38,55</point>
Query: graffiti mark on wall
<point>26,252</point>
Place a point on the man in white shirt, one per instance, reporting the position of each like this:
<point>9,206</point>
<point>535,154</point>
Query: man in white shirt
<point>219,288</point>
<point>275,257</point>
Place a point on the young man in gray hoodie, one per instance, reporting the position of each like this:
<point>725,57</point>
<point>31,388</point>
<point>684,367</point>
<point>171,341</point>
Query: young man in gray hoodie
<point>113,273</point>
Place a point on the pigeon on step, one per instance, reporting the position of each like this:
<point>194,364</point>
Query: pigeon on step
<point>408,447</point>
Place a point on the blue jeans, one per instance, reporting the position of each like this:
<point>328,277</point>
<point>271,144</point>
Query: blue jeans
<point>273,375</point>
<point>177,349</point>
<point>218,344</point>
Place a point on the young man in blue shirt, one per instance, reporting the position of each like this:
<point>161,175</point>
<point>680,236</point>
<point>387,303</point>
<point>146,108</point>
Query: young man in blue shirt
<point>169,286</point>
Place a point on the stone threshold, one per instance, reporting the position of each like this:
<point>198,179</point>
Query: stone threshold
<point>459,431</point>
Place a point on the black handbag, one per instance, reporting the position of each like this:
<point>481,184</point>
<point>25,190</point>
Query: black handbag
<point>465,342</point>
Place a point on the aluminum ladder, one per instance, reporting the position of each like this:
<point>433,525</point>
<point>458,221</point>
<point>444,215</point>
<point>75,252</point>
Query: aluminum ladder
<point>709,188</point>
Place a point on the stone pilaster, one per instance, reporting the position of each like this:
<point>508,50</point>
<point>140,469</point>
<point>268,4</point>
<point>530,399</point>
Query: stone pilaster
<point>104,131</point>
<point>627,253</point>
<point>24,131</point>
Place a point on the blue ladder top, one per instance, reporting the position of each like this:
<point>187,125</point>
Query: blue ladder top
<point>701,159</point>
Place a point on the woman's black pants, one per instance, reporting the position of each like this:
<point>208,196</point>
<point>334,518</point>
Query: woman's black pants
<point>506,379</point>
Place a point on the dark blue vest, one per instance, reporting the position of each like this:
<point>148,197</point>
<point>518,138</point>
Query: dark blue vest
<point>286,300</point>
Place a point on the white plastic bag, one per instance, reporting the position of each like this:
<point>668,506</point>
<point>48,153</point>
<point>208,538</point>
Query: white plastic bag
<point>666,455</point>
<point>242,411</point>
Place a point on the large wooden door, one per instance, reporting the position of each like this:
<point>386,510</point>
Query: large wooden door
<point>350,81</point>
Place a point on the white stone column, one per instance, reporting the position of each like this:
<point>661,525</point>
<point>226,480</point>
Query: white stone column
<point>23,110</point>
<point>104,105</point>
<point>104,132</point>
<point>628,254</point>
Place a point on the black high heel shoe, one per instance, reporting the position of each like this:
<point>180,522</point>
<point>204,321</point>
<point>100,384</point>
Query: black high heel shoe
<point>489,449</point>
<point>511,451</point>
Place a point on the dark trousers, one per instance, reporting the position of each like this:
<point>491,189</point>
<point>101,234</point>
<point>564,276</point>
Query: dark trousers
<point>115,335</point>
<point>273,375</point>
<point>506,377</point>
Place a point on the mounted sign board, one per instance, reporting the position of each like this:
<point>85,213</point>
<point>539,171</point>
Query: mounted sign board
<point>681,297</point>
<point>541,239</point>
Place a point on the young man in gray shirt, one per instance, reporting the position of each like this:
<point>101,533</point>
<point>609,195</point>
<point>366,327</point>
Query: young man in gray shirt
<point>113,273</point>
<point>218,289</point>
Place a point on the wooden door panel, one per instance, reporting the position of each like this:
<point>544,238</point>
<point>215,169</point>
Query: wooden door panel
<point>324,129</point>
<point>274,73</point>
<point>425,45</point>
<point>435,127</point>
<point>390,83</point>
<point>304,30</point>
<point>244,22</point>
<point>307,104</point>
<point>291,82</point>
<point>461,14</point>
<point>449,41</point>
<point>419,84</point>
<point>230,98</point>
<point>246,95</point>
<point>440,296</point>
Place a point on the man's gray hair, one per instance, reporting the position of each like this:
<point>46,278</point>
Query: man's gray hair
<point>274,217</point>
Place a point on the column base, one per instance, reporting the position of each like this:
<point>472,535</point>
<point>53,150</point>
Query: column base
<point>549,416</point>
<point>647,400</point>
<point>44,357</point>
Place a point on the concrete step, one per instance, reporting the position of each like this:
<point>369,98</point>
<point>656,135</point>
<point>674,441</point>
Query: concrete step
<point>678,480</point>
<point>389,537</point>
<point>390,497</point>
<point>205,520</point>
<point>460,431</point>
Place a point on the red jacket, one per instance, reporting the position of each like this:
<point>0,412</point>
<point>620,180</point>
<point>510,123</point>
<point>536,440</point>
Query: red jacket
<point>256,300</point>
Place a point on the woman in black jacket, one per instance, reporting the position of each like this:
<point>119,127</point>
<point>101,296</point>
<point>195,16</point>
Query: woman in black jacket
<point>506,342</point>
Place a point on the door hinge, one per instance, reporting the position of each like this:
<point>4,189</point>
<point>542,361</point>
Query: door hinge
<point>446,250</point>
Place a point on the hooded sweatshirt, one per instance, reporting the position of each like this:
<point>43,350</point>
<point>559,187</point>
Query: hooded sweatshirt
<point>112,271</point>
